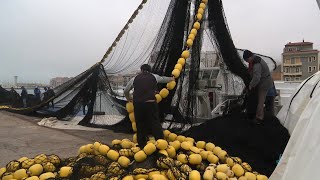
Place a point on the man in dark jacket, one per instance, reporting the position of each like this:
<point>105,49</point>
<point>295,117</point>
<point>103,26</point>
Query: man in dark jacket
<point>50,94</point>
<point>24,95</point>
<point>145,106</point>
<point>261,81</point>
<point>37,94</point>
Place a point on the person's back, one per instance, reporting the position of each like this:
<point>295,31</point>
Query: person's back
<point>145,86</point>
<point>24,93</point>
<point>260,66</point>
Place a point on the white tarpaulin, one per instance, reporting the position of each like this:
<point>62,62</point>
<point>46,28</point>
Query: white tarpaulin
<point>302,155</point>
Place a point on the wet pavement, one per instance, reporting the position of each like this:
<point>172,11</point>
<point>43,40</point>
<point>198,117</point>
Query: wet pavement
<point>21,136</point>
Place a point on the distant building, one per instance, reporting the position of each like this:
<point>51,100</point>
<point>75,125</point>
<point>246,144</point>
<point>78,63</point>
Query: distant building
<point>57,81</point>
<point>299,61</point>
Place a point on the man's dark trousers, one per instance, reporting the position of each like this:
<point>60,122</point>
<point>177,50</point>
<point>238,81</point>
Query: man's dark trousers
<point>147,121</point>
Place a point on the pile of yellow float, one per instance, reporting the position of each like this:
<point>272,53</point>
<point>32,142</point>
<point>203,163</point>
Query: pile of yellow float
<point>178,157</point>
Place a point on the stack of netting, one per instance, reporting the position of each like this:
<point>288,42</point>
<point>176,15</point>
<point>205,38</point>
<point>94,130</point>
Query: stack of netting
<point>176,157</point>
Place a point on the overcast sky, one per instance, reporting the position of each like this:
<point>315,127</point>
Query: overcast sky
<point>42,39</point>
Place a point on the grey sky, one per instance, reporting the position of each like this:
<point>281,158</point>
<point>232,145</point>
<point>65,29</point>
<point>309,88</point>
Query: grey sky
<point>41,39</point>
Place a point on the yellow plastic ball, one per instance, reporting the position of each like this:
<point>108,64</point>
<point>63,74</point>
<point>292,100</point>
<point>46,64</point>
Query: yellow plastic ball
<point>189,42</point>
<point>194,32</point>
<point>202,5</point>
<point>205,1</point>
<point>178,66</point>
<point>164,93</point>
<point>176,73</point>
<point>192,36</point>
<point>158,98</point>
<point>185,54</point>
<point>181,61</point>
<point>129,107</point>
<point>201,11</point>
<point>134,127</point>
<point>131,117</point>
<point>171,85</point>
<point>199,17</point>
<point>196,25</point>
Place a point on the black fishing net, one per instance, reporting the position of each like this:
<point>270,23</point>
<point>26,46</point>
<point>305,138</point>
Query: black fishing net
<point>261,146</point>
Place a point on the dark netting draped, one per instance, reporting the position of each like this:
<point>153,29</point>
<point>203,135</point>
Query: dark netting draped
<point>221,35</point>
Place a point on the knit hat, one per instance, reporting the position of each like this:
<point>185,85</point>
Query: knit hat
<point>145,67</point>
<point>247,54</point>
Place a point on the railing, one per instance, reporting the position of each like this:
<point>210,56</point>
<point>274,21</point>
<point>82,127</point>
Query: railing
<point>292,73</point>
<point>292,64</point>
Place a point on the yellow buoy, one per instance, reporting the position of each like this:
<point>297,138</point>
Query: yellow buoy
<point>166,133</point>
<point>103,149</point>
<point>262,177</point>
<point>140,156</point>
<point>129,107</point>
<point>201,11</point>
<point>190,42</point>
<point>194,175</point>
<point>128,178</point>
<point>134,127</point>
<point>221,176</point>
<point>164,93</point>
<point>162,144</point>
<point>182,158</point>
<point>124,161</point>
<point>65,171</point>
<point>134,138</point>
<point>195,159</point>
<point>35,170</point>
<point>172,137</point>
<point>181,138</point>
<point>176,144</point>
<point>186,145</point>
<point>250,176</point>
<point>178,66</point>
<point>238,170</point>
<point>199,16</point>
<point>202,5</point>
<point>201,144</point>
<point>205,1</point>
<point>33,178</point>
<point>182,61</point>
<point>171,151</point>
<point>20,174</point>
<point>113,155</point>
<point>176,73</point>
<point>171,85</point>
<point>192,36</point>
<point>131,117</point>
<point>196,25</point>
<point>210,146</point>
<point>194,32</point>
<point>149,148</point>
<point>222,168</point>
<point>213,159</point>
<point>185,54</point>
<point>158,98</point>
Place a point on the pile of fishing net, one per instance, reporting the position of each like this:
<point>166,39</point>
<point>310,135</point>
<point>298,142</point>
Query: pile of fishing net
<point>260,145</point>
<point>175,157</point>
